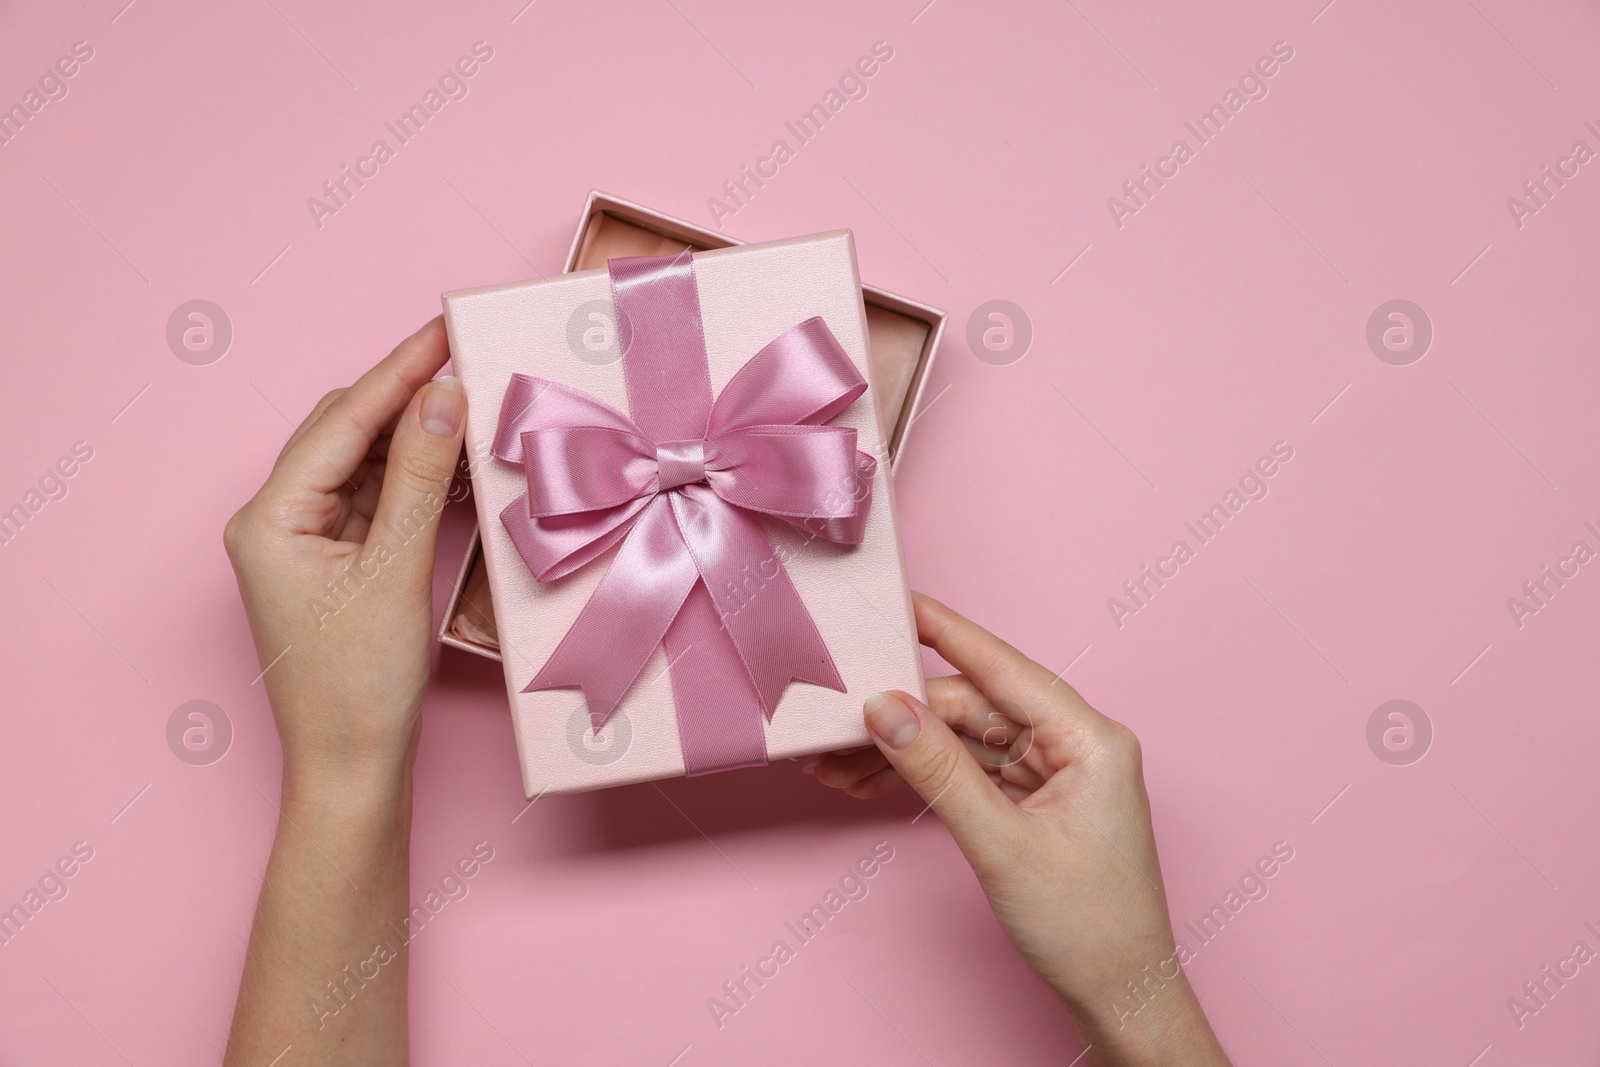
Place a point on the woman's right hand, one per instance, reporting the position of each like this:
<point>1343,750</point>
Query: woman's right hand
<point>1045,798</point>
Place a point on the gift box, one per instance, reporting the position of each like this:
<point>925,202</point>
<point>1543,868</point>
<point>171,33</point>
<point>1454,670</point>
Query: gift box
<point>903,337</point>
<point>688,528</point>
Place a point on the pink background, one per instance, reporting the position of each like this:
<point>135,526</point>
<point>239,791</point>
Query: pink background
<point>1223,317</point>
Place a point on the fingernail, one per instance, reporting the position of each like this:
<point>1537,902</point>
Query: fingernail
<point>890,719</point>
<point>811,768</point>
<point>442,407</point>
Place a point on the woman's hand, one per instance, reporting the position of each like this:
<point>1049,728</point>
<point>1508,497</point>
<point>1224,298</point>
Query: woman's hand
<point>334,558</point>
<point>1045,798</point>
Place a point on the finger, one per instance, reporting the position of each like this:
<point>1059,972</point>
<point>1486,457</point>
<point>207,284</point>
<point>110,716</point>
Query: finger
<point>985,732</point>
<point>1014,792</point>
<point>416,478</point>
<point>1010,765</point>
<point>311,419</point>
<point>322,459</point>
<point>876,784</point>
<point>935,762</point>
<point>1028,755</point>
<point>364,501</point>
<point>1021,769</point>
<point>361,506</point>
<point>965,709</point>
<point>845,769</point>
<point>988,757</point>
<point>994,666</point>
<point>1000,738</point>
<point>1008,678</point>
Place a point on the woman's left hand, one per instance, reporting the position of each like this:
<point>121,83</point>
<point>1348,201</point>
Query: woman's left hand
<point>334,557</point>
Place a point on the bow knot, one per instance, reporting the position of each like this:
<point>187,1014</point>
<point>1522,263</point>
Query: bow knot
<point>680,463</point>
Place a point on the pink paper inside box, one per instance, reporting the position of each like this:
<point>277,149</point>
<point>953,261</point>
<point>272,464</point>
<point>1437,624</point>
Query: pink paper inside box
<point>849,588</point>
<point>903,336</point>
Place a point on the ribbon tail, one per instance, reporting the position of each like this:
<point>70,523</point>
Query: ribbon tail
<point>718,708</point>
<point>626,617</point>
<point>757,604</point>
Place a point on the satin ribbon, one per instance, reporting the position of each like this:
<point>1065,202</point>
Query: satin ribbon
<point>680,484</point>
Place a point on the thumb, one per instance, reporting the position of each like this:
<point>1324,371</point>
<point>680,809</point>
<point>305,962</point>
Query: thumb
<point>940,768</point>
<point>417,472</point>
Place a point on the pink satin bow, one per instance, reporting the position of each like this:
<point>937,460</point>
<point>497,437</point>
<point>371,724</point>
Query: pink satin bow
<point>680,484</point>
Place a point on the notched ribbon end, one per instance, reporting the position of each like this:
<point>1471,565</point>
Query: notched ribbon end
<point>600,710</point>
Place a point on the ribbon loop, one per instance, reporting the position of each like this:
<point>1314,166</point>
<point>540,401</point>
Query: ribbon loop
<point>801,377</point>
<point>681,485</point>
<point>574,469</point>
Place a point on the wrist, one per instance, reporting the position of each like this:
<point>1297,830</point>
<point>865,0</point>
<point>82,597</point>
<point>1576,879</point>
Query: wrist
<point>1152,1024</point>
<point>344,761</point>
<point>361,792</point>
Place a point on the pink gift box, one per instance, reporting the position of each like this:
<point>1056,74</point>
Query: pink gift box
<point>903,336</point>
<point>857,596</point>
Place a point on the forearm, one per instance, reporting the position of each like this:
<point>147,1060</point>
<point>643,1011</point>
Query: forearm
<point>325,972</point>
